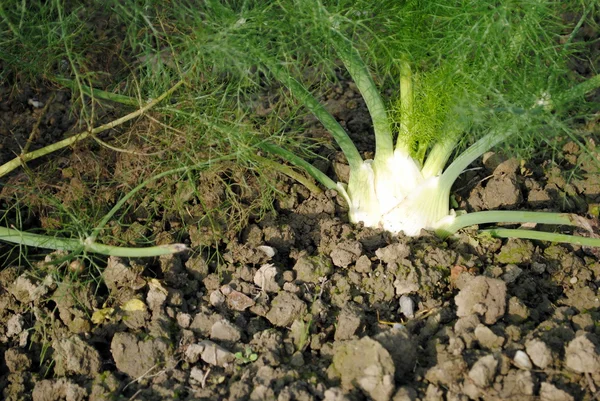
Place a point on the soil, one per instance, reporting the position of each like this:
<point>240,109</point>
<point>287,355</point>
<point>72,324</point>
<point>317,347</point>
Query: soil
<point>301,305</point>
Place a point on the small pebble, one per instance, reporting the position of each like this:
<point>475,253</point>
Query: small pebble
<point>522,360</point>
<point>538,268</point>
<point>511,273</point>
<point>573,280</point>
<point>197,374</point>
<point>184,320</point>
<point>217,298</point>
<point>407,306</point>
<point>267,250</point>
<point>35,103</point>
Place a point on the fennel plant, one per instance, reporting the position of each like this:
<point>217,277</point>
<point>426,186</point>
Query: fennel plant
<point>505,75</point>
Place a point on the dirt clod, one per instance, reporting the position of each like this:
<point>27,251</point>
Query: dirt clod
<point>285,308</point>
<point>210,353</point>
<point>402,347</point>
<point>120,276</point>
<point>349,322</point>
<point>483,371</point>
<point>583,354</point>
<point>483,296</point>
<point>27,289</point>
<point>518,384</point>
<point>312,269</point>
<point>17,360</point>
<point>549,392</point>
<point>393,253</point>
<point>223,330</point>
<point>238,301</point>
<point>335,394</point>
<point>539,353</point>
<point>346,253</point>
<point>487,338</point>
<point>73,356</point>
<point>58,390</point>
<point>266,278</point>
<point>15,325</point>
<point>367,364</point>
<point>136,357</point>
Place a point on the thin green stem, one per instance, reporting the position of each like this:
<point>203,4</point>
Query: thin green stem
<point>93,92</point>
<point>543,236</point>
<point>298,161</point>
<point>492,139</point>
<point>315,107</point>
<point>279,151</point>
<point>508,216</point>
<point>22,159</point>
<point>84,245</point>
<point>577,28</point>
<point>128,252</point>
<point>71,57</point>
<point>290,172</point>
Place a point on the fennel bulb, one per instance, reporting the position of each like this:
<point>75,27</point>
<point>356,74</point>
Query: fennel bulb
<point>395,196</point>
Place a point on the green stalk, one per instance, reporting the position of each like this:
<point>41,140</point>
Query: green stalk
<point>438,156</point>
<point>89,244</point>
<point>315,107</point>
<point>492,139</point>
<point>508,216</point>
<point>85,245</point>
<point>384,144</point>
<point>406,106</point>
<point>471,154</point>
<point>543,236</point>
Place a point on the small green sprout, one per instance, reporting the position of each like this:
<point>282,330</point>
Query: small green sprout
<point>246,357</point>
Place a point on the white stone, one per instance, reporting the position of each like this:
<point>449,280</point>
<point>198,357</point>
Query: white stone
<point>522,360</point>
<point>407,306</point>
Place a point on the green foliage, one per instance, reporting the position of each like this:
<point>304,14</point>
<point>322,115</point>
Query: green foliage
<point>473,61</point>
